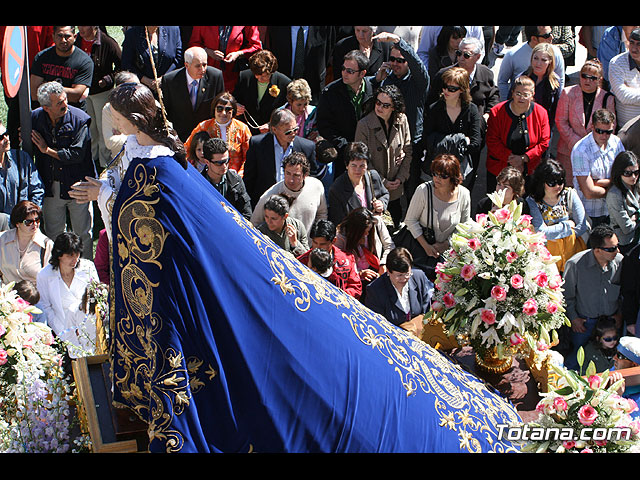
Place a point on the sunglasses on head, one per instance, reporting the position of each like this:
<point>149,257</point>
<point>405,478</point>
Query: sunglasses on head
<point>467,55</point>
<point>451,88</point>
<point>29,221</point>
<point>609,249</point>
<point>397,59</point>
<point>555,183</point>
<point>629,173</point>
<point>603,132</point>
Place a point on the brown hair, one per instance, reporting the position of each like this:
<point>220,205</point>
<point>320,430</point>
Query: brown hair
<point>448,164</point>
<point>511,176</point>
<point>22,210</point>
<point>460,77</point>
<point>263,61</point>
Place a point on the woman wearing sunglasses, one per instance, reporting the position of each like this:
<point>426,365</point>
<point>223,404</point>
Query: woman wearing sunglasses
<point>24,249</point>
<point>623,200</point>
<point>518,132</point>
<point>385,131</point>
<point>575,106</point>
<point>453,123</point>
<point>557,211</point>
<point>224,125</point>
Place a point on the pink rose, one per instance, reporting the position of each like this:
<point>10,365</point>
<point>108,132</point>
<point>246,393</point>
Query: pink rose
<point>544,253</point>
<point>511,257</point>
<point>594,381</point>
<point>568,444</point>
<point>436,306</point>
<point>525,220</point>
<point>517,281</point>
<point>482,218</point>
<point>601,443</point>
<point>516,339</point>
<point>473,244</point>
<point>541,279</point>
<point>541,346</point>
<point>444,277</point>
<point>502,215</point>
<point>530,307</point>
<point>587,415</point>
<point>488,316</point>
<point>468,272</point>
<point>632,405</point>
<point>586,450</point>
<point>552,307</point>
<point>499,293</point>
<point>439,267</point>
<point>3,356</point>
<point>560,404</point>
<point>448,300</point>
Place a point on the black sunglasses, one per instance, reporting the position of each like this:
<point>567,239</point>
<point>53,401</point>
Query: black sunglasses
<point>451,88</point>
<point>609,249</point>
<point>220,109</point>
<point>588,77</point>
<point>554,183</point>
<point>28,222</point>
<point>544,35</point>
<point>219,162</point>
<point>350,71</point>
<point>603,132</point>
<point>3,135</point>
<point>464,54</point>
<point>397,59</point>
<point>443,176</point>
<point>383,104</point>
<point>610,339</point>
<point>629,173</point>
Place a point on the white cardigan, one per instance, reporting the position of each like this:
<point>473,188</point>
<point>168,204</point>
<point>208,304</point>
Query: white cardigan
<point>61,304</point>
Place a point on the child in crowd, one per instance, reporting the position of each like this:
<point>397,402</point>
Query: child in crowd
<point>28,291</point>
<point>602,347</point>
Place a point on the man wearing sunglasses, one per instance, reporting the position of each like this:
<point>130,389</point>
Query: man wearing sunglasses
<point>591,161</point>
<point>517,60</point>
<point>592,287</point>
<point>624,77</point>
<point>188,92</point>
<point>227,182</point>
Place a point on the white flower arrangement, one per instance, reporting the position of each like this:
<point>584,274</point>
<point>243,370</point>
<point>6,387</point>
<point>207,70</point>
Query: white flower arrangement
<point>498,286</point>
<point>35,394</point>
<point>586,415</point>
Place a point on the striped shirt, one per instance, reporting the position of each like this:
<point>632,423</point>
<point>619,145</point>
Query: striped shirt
<point>589,159</point>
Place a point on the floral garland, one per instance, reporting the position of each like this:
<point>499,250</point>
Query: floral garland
<point>35,393</point>
<point>498,287</point>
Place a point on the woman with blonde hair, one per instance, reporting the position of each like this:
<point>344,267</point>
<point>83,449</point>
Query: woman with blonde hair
<point>298,101</point>
<point>541,71</point>
<point>575,107</point>
<point>453,123</point>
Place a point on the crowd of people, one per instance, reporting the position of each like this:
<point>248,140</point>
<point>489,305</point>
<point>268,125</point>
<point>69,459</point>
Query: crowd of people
<point>356,149</point>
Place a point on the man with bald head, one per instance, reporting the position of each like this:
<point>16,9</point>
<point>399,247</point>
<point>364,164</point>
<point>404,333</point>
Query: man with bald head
<point>188,91</point>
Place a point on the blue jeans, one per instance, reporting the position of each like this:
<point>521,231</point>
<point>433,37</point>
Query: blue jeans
<point>579,340</point>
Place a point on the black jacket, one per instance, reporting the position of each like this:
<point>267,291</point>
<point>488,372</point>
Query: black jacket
<point>343,198</point>
<point>236,193</point>
<point>246,93</point>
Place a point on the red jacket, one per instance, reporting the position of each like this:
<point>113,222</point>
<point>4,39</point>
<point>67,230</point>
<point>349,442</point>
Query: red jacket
<point>345,275</point>
<point>242,38</point>
<point>499,126</point>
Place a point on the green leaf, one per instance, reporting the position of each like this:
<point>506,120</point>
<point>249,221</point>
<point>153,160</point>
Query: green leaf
<point>564,391</point>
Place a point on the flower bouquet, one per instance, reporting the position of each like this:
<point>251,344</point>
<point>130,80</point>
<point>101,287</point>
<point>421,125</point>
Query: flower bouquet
<point>34,391</point>
<point>586,415</point>
<point>498,288</point>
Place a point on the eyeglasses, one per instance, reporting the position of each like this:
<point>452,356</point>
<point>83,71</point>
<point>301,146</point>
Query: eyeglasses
<point>555,183</point>
<point>609,249</point>
<point>629,173</point>
<point>525,95</point>
<point>589,77</point>
<point>603,132</point>
<point>383,104</point>
<point>443,176</point>
<point>397,59</point>
<point>464,54</point>
<point>292,131</point>
<point>451,88</point>
<point>544,35</point>
<point>350,71</point>
<point>220,109</point>
<point>30,221</point>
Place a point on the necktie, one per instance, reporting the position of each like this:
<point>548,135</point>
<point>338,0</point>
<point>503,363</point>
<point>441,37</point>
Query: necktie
<point>193,93</point>
<point>298,63</point>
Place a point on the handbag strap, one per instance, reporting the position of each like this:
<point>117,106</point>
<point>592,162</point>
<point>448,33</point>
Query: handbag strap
<point>430,211</point>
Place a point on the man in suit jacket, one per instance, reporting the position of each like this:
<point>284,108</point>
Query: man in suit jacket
<point>186,107</point>
<point>318,45</point>
<point>263,166</point>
